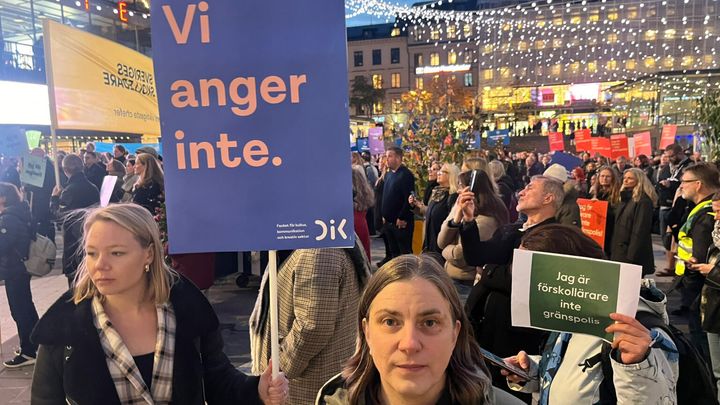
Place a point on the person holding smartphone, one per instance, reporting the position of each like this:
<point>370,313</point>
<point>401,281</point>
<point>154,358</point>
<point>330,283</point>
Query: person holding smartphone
<point>441,201</point>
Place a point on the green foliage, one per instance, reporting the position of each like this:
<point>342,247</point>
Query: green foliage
<point>363,95</point>
<point>440,114</point>
<point>708,115</point>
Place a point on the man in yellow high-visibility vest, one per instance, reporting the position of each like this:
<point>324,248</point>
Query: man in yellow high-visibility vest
<point>698,184</point>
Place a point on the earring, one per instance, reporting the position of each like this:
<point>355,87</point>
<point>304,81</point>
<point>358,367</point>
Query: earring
<point>147,268</point>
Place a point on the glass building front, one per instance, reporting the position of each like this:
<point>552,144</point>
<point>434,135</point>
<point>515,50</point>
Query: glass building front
<point>125,22</point>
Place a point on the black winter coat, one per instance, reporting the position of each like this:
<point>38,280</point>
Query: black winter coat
<point>15,237</point>
<point>435,215</point>
<point>71,362</point>
<point>149,196</point>
<point>95,174</point>
<point>78,194</point>
<point>396,190</point>
<point>631,240</point>
<point>710,298</point>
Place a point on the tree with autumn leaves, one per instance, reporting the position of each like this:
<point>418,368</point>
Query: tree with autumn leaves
<point>436,118</point>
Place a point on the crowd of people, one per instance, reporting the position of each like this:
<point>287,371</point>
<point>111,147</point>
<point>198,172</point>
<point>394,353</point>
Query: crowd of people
<point>500,199</point>
<point>406,330</point>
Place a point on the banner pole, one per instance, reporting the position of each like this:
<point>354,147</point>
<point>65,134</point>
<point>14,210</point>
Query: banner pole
<point>47,53</point>
<point>274,339</point>
<point>56,164</point>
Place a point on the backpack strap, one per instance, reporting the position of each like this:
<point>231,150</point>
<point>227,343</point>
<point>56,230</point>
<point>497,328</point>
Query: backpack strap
<point>607,393</point>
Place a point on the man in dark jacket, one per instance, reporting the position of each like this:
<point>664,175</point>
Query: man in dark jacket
<point>78,194</point>
<point>489,303</point>
<point>396,213</point>
<point>120,153</point>
<point>665,202</point>
<point>15,237</point>
<point>94,170</point>
<point>698,184</point>
<point>678,161</point>
<point>674,218</point>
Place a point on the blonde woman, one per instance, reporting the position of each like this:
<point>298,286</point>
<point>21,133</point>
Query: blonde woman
<point>149,189</point>
<point>631,240</point>
<point>135,332</point>
<point>442,200</point>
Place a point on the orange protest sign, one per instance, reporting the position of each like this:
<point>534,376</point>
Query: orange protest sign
<point>668,135</point>
<point>582,140</point>
<point>556,141</point>
<point>619,146</point>
<point>600,145</point>
<point>593,214</point>
<point>642,144</point>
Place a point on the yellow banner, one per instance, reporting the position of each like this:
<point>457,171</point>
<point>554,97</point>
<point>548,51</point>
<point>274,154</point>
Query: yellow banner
<point>98,85</point>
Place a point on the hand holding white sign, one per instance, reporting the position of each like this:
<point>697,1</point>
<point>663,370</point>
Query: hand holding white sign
<point>577,295</point>
<point>632,339</point>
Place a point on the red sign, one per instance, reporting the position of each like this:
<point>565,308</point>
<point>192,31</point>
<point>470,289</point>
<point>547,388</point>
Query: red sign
<point>600,145</point>
<point>642,144</point>
<point>593,217</point>
<point>556,140</point>
<point>619,146</point>
<point>582,140</point>
<point>668,135</point>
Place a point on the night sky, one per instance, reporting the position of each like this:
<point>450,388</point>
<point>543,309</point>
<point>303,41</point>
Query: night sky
<point>365,19</point>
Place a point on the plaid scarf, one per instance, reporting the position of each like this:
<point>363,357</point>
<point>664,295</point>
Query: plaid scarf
<point>129,384</point>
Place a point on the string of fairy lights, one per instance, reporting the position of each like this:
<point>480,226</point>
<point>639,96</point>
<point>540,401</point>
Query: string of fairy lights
<point>631,39</point>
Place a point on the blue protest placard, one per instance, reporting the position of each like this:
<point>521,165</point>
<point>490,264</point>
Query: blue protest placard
<point>501,135</point>
<point>13,142</point>
<point>363,145</point>
<point>566,160</point>
<point>252,97</point>
<point>103,147</point>
<point>473,140</point>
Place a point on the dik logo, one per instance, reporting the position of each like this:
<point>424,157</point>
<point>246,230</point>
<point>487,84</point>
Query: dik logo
<point>339,229</point>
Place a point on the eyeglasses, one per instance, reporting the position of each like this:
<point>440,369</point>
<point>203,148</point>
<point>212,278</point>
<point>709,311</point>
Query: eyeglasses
<point>442,172</point>
<point>689,180</point>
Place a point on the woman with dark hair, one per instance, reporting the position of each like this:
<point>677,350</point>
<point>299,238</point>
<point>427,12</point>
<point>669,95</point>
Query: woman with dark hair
<point>414,344</point>
<point>490,214</point>
<point>607,188</point>
<point>643,163</point>
<point>15,237</point>
<point>149,189</point>
<point>117,169</point>
<point>129,179</point>
<point>644,366</point>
